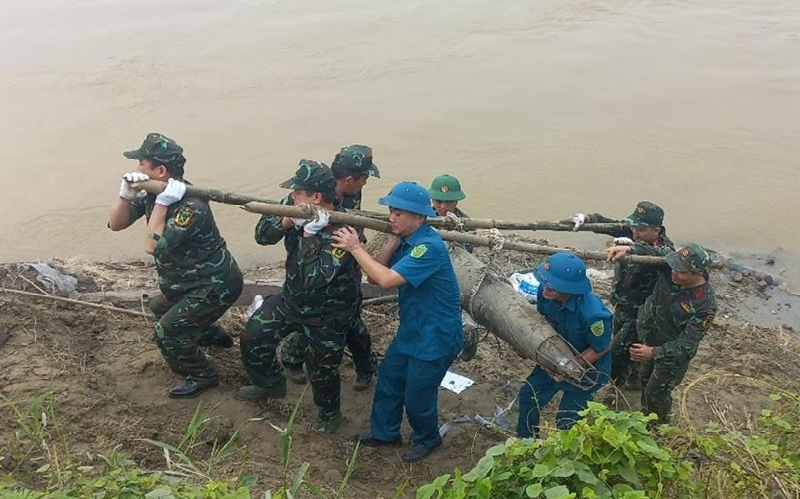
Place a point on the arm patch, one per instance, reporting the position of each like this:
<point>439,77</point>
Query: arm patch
<point>597,328</point>
<point>184,216</point>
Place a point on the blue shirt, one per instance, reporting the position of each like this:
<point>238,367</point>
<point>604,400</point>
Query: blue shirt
<point>430,303</point>
<point>583,321</point>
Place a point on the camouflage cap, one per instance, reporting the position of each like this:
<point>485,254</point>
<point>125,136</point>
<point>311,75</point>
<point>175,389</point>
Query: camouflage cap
<point>159,148</point>
<point>689,258</point>
<point>355,159</point>
<point>446,188</point>
<point>311,176</point>
<point>646,214</point>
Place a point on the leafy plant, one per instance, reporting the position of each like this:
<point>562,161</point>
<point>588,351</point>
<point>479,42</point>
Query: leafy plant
<point>605,455</point>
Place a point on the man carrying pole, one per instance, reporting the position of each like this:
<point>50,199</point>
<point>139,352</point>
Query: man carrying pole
<point>633,283</point>
<point>319,299</point>
<point>416,262</point>
<point>351,168</point>
<point>197,275</point>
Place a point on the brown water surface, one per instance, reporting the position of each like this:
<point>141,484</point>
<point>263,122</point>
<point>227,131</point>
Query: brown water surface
<point>542,109</point>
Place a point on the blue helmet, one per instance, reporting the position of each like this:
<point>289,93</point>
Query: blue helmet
<point>565,273</point>
<point>411,197</point>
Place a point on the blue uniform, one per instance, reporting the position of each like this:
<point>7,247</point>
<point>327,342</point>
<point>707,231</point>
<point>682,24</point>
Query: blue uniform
<point>428,339</point>
<point>584,322</point>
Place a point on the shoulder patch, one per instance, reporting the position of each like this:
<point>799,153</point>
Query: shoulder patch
<point>184,216</point>
<point>338,253</point>
<point>418,251</point>
<point>597,328</point>
<point>685,305</point>
<point>707,323</point>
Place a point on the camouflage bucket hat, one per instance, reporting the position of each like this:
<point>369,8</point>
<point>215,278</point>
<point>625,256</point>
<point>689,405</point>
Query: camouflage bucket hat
<point>311,176</point>
<point>159,148</point>
<point>646,214</point>
<point>355,159</point>
<point>689,258</point>
<point>446,188</point>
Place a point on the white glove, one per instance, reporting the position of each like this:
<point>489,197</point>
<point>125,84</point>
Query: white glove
<point>626,241</point>
<point>299,222</point>
<point>319,223</point>
<point>125,189</point>
<point>172,194</point>
<point>578,219</point>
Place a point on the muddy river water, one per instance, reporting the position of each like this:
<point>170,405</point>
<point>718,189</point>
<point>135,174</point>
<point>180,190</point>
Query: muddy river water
<point>541,108</point>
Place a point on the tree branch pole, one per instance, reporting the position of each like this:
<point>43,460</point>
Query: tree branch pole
<point>156,187</point>
<point>306,211</point>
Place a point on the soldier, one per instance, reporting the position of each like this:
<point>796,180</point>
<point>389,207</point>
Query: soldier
<point>445,191</point>
<point>351,168</point>
<point>633,283</point>
<point>319,299</point>
<point>198,277</point>
<point>671,324</point>
<point>566,300</point>
<point>416,262</point>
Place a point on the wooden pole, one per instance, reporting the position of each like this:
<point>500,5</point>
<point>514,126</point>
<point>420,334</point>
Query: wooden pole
<point>220,196</point>
<point>305,211</point>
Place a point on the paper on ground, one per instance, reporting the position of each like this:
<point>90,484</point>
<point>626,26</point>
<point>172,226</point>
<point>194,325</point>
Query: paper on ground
<point>455,382</point>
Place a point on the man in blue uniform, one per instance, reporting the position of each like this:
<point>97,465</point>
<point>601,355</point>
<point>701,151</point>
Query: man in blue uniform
<point>429,337</point>
<point>578,315</point>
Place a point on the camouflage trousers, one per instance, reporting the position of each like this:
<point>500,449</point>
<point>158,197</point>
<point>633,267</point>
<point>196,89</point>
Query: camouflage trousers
<point>357,339</point>
<point>323,348</point>
<point>623,369</point>
<point>659,377</point>
<point>182,322</point>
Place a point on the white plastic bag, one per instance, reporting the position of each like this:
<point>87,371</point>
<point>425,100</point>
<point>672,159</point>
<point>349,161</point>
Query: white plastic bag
<point>525,284</point>
<point>254,305</point>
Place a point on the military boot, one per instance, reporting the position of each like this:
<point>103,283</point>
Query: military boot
<point>254,392</point>
<point>296,374</point>
<point>191,388</point>
<point>470,343</point>
<point>362,382</point>
<point>328,422</point>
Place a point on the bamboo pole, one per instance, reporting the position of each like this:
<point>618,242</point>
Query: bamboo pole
<point>72,301</point>
<point>220,196</point>
<point>306,211</point>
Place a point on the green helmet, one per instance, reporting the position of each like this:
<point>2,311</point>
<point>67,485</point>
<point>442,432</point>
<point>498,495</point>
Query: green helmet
<point>446,188</point>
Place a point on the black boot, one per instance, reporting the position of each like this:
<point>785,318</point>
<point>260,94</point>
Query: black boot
<point>191,388</point>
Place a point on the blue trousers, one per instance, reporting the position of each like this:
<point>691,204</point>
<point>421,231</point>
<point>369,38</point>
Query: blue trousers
<point>405,381</point>
<point>537,391</point>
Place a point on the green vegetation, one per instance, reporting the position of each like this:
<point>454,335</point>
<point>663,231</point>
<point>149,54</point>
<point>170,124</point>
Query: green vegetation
<point>620,455</point>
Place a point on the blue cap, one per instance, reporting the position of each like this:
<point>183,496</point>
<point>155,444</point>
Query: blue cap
<point>565,273</point>
<point>409,196</point>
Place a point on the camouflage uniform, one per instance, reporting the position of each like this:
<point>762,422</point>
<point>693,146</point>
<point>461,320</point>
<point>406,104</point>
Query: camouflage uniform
<point>674,321</point>
<point>319,300</point>
<point>632,285</point>
<point>358,160</point>
<point>197,275</point>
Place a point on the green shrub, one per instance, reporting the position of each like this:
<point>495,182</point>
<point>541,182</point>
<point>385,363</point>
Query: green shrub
<point>605,455</point>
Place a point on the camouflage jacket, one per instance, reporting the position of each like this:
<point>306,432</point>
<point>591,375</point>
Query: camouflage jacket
<point>190,253</point>
<point>634,283</point>
<point>321,281</point>
<point>674,320</point>
<point>352,202</point>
